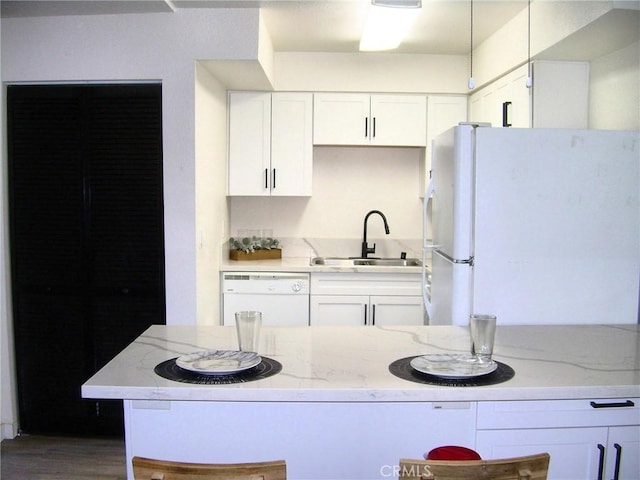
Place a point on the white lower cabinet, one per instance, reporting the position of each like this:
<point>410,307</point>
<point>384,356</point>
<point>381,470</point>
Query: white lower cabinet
<point>584,441</point>
<point>352,299</point>
<point>366,310</point>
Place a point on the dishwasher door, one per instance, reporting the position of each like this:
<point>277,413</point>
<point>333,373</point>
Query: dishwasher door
<point>283,298</point>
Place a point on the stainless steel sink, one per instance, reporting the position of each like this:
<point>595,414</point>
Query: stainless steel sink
<point>359,262</point>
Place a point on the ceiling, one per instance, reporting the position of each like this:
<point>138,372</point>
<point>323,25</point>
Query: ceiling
<point>443,26</point>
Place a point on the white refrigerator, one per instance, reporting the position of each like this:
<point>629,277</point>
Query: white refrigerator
<point>536,226</point>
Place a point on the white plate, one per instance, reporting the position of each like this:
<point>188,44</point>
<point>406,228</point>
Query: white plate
<point>218,362</point>
<point>452,366</point>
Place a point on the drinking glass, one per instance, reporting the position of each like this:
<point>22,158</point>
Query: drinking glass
<point>248,324</point>
<point>483,330</point>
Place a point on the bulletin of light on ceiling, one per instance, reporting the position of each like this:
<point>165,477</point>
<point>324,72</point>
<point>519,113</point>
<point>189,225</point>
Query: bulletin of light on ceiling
<point>388,22</point>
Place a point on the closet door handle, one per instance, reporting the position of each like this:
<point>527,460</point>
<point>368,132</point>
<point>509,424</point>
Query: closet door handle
<point>616,471</point>
<point>601,461</point>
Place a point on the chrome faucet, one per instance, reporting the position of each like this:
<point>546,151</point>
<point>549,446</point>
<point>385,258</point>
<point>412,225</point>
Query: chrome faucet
<point>365,247</point>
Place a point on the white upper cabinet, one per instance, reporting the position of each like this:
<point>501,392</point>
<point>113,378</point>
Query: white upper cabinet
<point>443,112</point>
<point>504,103</point>
<point>558,98</point>
<point>291,143</point>
<point>560,95</point>
<point>270,144</point>
<point>363,119</point>
<point>249,143</point>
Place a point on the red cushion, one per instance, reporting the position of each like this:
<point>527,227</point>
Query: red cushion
<point>452,452</point>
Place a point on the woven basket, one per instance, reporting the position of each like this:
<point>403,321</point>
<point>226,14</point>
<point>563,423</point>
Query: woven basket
<point>274,253</point>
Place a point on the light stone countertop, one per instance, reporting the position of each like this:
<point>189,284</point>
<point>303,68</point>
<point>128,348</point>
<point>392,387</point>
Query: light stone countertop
<point>298,252</point>
<point>301,264</point>
<point>350,364</point>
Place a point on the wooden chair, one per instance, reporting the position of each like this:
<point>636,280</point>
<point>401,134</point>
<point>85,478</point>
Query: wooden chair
<point>532,467</point>
<point>148,469</point>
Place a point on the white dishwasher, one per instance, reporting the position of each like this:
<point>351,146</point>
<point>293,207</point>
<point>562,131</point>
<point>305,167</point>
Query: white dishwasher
<point>283,298</point>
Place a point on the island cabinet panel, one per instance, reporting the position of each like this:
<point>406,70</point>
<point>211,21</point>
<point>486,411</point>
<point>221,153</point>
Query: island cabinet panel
<point>585,438</point>
<point>318,440</point>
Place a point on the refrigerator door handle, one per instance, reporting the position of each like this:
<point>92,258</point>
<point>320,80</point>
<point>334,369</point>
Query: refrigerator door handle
<point>457,261</point>
<point>428,196</point>
<point>426,285</point>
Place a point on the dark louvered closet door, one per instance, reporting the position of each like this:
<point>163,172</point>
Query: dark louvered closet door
<point>87,245</point>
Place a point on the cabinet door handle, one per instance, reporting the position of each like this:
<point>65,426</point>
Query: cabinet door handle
<point>505,114</point>
<point>374,128</point>
<point>373,314</point>
<point>365,314</point>
<point>601,461</point>
<point>616,471</point>
<point>366,127</point>
<point>273,183</point>
<point>266,178</point>
<point>628,403</point>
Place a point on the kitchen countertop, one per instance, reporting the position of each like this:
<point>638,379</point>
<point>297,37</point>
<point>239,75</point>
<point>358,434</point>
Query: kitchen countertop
<point>303,264</point>
<point>298,252</point>
<point>350,364</point>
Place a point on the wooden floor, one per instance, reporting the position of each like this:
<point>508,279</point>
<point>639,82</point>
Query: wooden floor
<point>60,458</point>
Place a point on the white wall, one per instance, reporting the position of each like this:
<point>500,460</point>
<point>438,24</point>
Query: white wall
<point>551,23</point>
<point>8,416</point>
<point>371,72</point>
<point>614,97</point>
<point>347,183</point>
<point>212,217</point>
<point>139,47</point>
<point>142,47</point>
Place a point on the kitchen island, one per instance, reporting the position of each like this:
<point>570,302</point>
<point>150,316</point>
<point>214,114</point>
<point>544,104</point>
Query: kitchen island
<point>335,411</point>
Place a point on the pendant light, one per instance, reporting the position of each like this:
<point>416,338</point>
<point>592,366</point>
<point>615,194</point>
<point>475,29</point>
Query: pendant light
<point>472,82</point>
<point>529,82</point>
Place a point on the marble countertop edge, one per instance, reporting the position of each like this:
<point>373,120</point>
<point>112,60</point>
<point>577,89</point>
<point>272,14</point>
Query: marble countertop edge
<point>425,393</point>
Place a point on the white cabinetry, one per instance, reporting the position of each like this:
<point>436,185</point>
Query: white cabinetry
<point>584,441</point>
<point>560,95</point>
<point>319,440</point>
<point>270,144</point>
<point>365,299</point>
<point>558,98</point>
<point>503,103</point>
<point>363,119</point>
<point>443,112</point>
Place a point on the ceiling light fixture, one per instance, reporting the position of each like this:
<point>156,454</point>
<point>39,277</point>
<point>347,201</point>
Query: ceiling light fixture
<point>388,22</point>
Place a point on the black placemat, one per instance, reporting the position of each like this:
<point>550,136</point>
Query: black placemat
<point>402,369</point>
<point>266,368</point>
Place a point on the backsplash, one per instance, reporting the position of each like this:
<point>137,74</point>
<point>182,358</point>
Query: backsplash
<point>344,247</point>
<point>349,247</point>
<point>348,182</point>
